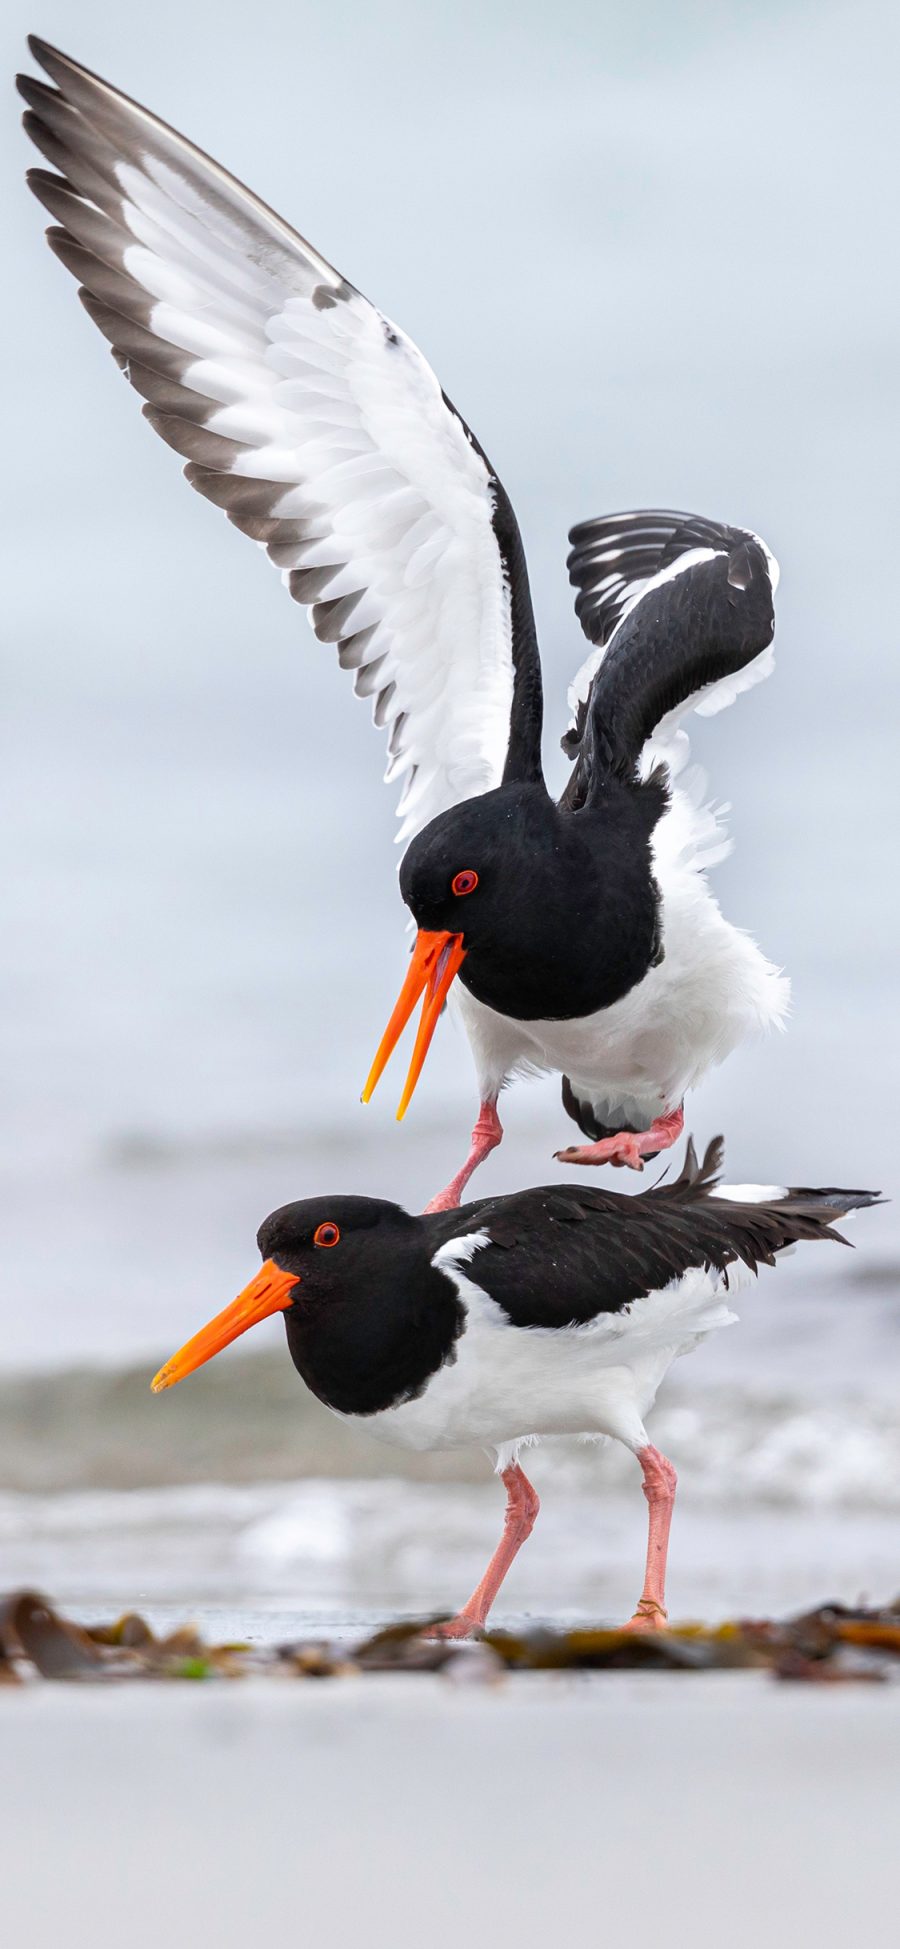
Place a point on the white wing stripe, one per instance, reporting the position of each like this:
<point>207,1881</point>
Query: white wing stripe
<point>315,424</point>
<point>653,548</point>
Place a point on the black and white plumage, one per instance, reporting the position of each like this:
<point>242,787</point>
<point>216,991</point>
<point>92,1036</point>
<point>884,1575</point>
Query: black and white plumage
<point>552,1312</point>
<point>312,420</point>
<point>679,610</point>
<point>592,945</point>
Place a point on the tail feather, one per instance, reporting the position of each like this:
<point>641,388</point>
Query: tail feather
<point>838,1202</point>
<point>627,1247</point>
<point>756,1221</point>
<point>699,1177</point>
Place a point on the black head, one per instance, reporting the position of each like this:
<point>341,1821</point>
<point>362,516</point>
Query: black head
<point>557,912</point>
<point>324,1241</point>
<point>465,868</point>
<point>368,1319</point>
<point>545,913</point>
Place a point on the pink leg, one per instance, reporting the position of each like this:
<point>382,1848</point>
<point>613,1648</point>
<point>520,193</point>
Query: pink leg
<point>522,1506</point>
<point>629,1147</point>
<point>659,1488</point>
<point>486,1135</point>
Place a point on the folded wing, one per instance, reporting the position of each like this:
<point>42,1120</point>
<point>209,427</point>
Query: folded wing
<point>571,1253</point>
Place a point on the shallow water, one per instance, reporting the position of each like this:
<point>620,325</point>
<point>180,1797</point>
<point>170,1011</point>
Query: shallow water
<point>343,1556</point>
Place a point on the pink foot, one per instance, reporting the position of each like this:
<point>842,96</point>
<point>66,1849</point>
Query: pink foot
<point>660,1482</point>
<point>522,1505</point>
<point>487,1134</point>
<point>647,1619</point>
<point>464,1625</point>
<point>627,1146</point>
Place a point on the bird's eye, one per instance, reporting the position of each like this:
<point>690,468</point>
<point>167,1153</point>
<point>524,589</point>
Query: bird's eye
<point>464,882</point>
<point>327,1234</point>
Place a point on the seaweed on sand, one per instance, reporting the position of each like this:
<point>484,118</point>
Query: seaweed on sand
<point>832,1644</point>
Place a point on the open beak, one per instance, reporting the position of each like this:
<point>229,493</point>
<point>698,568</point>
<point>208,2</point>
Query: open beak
<point>269,1292</point>
<point>436,960</point>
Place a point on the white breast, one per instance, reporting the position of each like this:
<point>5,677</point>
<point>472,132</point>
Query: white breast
<point>637,1059</point>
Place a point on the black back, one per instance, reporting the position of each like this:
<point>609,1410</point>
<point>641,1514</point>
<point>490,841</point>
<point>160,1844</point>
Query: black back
<point>560,1255</point>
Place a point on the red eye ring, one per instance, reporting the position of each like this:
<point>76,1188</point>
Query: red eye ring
<point>327,1234</point>
<point>464,882</point>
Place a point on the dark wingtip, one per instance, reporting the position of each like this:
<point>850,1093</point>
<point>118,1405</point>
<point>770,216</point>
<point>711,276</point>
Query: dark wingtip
<point>44,52</point>
<point>55,63</point>
<point>36,93</point>
<point>39,180</point>
<point>41,51</point>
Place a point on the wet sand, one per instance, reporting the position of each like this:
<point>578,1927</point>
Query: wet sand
<point>394,1811</point>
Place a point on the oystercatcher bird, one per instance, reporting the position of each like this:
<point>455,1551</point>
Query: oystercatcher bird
<point>583,933</point>
<point>556,1311</point>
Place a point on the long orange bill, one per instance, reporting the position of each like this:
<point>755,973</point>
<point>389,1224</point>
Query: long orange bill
<point>269,1292</point>
<point>436,960</point>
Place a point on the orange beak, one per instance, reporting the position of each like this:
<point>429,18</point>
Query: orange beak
<point>436,960</point>
<point>269,1292</point>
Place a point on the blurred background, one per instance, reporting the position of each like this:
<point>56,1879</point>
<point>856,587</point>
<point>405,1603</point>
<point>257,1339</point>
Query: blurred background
<point>649,252</point>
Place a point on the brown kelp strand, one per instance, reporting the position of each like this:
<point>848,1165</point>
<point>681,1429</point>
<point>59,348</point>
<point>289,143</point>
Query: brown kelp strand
<point>830,1645</point>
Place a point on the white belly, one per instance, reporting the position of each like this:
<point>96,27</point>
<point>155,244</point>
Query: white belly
<point>509,1384</point>
<point>636,1059</point>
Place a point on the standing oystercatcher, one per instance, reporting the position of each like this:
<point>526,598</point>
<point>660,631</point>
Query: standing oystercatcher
<point>584,935</point>
<point>551,1312</point>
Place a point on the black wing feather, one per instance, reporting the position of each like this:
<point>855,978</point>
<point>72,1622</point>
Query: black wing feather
<point>559,1258</point>
<point>659,645</point>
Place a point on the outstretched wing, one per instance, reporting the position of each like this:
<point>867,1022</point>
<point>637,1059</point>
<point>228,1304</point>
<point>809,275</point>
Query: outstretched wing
<point>313,422</point>
<point>679,610</point>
